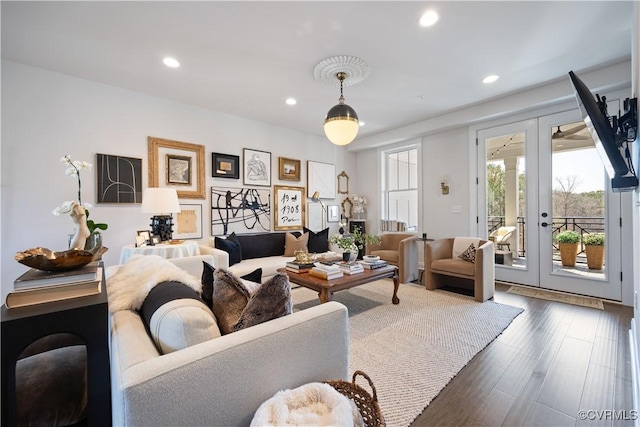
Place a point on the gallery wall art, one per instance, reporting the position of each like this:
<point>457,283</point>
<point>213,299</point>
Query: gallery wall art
<point>119,179</point>
<point>289,207</point>
<point>188,222</point>
<point>257,167</point>
<point>321,177</point>
<point>240,210</point>
<point>178,165</point>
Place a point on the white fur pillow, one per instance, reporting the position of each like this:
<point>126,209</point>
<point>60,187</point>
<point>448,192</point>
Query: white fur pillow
<point>131,284</point>
<point>312,404</point>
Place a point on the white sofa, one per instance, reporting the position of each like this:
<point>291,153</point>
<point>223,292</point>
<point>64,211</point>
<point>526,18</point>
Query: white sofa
<point>221,382</point>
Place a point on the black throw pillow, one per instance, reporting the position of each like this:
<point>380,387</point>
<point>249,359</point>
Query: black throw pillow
<point>318,242</point>
<point>208,278</point>
<point>231,245</point>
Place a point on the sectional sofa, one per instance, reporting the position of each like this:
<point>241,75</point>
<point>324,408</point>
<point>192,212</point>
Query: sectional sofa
<point>224,380</point>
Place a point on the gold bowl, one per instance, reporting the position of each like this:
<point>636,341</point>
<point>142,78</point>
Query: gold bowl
<point>47,260</point>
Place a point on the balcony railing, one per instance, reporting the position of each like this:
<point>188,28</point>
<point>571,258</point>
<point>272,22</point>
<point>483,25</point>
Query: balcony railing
<point>581,225</point>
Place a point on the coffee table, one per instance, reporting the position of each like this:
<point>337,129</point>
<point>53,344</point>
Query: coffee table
<point>326,288</point>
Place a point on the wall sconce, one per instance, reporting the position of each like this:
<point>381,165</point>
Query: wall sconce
<point>443,185</point>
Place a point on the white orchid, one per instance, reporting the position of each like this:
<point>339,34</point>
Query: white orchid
<point>73,170</point>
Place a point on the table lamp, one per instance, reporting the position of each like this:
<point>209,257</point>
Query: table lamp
<point>162,202</point>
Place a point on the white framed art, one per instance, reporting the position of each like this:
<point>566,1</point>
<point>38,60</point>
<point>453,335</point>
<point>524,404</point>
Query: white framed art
<point>321,177</point>
<point>257,167</point>
<point>188,222</point>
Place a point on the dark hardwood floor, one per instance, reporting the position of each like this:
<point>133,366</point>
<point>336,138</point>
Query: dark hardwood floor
<point>552,362</point>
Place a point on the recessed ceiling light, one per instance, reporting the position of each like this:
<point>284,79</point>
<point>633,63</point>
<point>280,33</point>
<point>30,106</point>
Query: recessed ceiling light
<point>291,101</point>
<point>429,18</point>
<point>171,62</point>
<point>361,123</point>
<point>490,79</point>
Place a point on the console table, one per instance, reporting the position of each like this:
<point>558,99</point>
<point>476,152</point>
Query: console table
<point>165,250</point>
<point>86,317</point>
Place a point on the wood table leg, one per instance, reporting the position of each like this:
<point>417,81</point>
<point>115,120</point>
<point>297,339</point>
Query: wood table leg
<point>324,295</point>
<point>396,285</point>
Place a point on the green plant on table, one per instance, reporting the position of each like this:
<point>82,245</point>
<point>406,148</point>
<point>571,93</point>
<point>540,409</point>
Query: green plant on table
<point>568,236</point>
<point>593,239</point>
<point>356,238</point>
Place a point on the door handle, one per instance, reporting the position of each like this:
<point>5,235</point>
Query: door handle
<point>544,224</point>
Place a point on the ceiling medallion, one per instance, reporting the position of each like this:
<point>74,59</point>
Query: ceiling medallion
<point>356,70</point>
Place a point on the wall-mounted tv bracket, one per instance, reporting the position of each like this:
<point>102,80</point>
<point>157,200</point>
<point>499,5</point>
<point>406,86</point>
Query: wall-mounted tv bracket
<point>625,126</point>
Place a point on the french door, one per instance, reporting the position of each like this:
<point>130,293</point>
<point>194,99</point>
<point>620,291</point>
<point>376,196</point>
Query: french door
<point>542,176</point>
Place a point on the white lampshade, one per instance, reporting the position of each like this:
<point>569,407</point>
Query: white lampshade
<point>160,201</point>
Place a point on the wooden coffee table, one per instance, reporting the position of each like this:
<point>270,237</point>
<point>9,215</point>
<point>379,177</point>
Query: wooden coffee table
<point>326,288</point>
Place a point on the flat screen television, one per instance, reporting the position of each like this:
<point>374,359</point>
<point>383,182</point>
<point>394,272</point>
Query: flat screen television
<point>604,137</point>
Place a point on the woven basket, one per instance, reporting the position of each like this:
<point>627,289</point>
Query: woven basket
<point>366,403</point>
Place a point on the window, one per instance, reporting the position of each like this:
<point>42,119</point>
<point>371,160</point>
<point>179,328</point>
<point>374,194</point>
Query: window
<point>401,186</point>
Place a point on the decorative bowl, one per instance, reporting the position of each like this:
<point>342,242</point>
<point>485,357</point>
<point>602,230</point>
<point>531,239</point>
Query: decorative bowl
<point>47,260</point>
<point>371,258</point>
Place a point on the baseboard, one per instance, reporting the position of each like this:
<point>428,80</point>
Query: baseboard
<point>635,369</point>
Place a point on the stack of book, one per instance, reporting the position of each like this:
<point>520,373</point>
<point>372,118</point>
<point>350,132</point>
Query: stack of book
<point>373,265</point>
<point>298,268</point>
<point>326,271</point>
<point>353,268</point>
<point>37,287</point>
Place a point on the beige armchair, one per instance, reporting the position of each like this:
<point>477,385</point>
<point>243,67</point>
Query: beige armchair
<point>443,267</point>
<point>398,249</point>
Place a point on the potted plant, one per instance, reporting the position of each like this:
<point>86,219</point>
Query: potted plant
<point>568,241</point>
<point>594,248</point>
<point>351,242</point>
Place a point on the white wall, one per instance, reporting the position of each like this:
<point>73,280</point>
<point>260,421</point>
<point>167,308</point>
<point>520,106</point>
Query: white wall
<point>46,115</point>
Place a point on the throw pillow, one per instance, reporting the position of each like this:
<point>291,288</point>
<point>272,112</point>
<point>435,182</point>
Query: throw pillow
<point>176,317</point>
<point>270,301</point>
<point>208,279</point>
<point>318,242</point>
<point>231,245</point>
<point>469,254</point>
<point>230,296</point>
<point>292,244</point>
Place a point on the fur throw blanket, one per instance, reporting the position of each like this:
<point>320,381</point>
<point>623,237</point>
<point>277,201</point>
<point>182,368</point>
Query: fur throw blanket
<point>132,282</point>
<point>313,404</point>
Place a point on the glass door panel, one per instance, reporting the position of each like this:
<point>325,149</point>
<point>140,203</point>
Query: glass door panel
<point>575,197</point>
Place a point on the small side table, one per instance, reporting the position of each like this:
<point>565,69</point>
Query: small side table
<point>165,250</point>
<point>86,317</point>
<point>424,255</point>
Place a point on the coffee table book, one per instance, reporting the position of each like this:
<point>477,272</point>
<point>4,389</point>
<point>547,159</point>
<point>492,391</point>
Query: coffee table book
<point>374,265</point>
<point>327,275</point>
<point>33,278</point>
<point>42,295</point>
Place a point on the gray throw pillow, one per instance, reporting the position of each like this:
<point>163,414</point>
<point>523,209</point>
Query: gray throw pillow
<point>230,296</point>
<point>270,301</point>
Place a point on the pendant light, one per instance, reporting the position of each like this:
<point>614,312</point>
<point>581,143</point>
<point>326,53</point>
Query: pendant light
<point>341,124</point>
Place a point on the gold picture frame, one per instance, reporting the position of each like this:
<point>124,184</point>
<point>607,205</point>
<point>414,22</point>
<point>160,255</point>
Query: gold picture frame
<point>288,169</point>
<point>165,154</point>
<point>289,207</point>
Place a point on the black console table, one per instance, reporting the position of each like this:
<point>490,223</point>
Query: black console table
<point>86,317</point>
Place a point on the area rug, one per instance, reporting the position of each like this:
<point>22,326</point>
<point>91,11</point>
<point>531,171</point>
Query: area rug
<point>557,296</point>
<point>412,350</point>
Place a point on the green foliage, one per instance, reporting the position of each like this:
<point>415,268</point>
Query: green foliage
<point>356,238</point>
<point>93,225</point>
<point>594,239</point>
<point>568,236</point>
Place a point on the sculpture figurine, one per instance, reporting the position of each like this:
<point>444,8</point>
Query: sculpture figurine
<point>79,217</point>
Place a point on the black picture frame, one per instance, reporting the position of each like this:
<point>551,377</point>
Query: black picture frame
<point>119,179</point>
<point>225,166</point>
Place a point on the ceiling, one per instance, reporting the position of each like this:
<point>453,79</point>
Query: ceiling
<point>245,58</point>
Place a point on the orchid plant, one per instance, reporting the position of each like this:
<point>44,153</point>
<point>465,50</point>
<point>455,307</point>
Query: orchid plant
<point>73,170</point>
